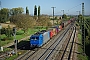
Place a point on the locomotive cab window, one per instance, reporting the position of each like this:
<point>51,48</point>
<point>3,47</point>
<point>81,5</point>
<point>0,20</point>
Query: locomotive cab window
<point>35,38</point>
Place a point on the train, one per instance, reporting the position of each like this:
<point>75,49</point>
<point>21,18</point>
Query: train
<point>40,38</point>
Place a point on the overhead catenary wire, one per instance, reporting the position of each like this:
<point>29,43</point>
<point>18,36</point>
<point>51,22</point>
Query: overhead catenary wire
<point>74,7</point>
<point>78,12</point>
<point>69,9</point>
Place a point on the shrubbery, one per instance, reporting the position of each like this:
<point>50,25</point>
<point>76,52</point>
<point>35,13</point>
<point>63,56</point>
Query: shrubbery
<point>7,32</point>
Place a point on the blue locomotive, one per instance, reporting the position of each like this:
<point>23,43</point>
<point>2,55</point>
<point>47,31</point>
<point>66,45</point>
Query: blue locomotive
<point>39,38</point>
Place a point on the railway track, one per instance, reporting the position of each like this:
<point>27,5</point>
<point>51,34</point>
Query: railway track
<point>47,51</point>
<point>31,55</point>
<point>67,53</point>
<point>46,55</point>
<point>60,46</point>
<point>28,54</point>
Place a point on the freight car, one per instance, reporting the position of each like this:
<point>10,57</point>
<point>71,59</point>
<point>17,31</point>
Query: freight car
<point>62,24</point>
<point>69,21</point>
<point>40,38</point>
<point>51,33</point>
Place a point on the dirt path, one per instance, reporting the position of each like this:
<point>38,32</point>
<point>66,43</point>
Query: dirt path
<point>4,25</point>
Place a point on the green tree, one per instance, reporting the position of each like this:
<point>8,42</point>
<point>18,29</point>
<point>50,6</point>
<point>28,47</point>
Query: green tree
<point>80,17</point>
<point>55,18</point>
<point>15,11</point>
<point>23,21</point>
<point>27,11</point>
<point>4,15</point>
<point>43,21</point>
<point>38,11</point>
<point>64,16</point>
<point>8,32</point>
<point>35,10</point>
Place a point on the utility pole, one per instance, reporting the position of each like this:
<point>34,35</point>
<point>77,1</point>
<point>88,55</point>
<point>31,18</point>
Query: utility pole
<point>63,11</point>
<point>0,36</point>
<point>1,8</point>
<point>0,29</point>
<point>53,14</point>
<point>0,5</point>
<point>83,28</point>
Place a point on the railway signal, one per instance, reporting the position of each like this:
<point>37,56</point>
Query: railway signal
<point>0,36</point>
<point>15,41</point>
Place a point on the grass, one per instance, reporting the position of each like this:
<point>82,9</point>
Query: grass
<point>15,56</point>
<point>5,42</point>
<point>20,35</point>
<point>79,38</point>
<point>12,57</point>
<point>3,36</point>
<point>88,17</point>
<point>32,31</point>
<point>81,56</point>
<point>19,32</point>
<point>5,50</point>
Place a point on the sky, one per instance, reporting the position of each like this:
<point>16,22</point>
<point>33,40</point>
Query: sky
<point>69,6</point>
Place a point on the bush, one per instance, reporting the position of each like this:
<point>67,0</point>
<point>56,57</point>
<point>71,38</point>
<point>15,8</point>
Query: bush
<point>3,31</point>
<point>64,16</point>
<point>10,38</point>
<point>8,31</point>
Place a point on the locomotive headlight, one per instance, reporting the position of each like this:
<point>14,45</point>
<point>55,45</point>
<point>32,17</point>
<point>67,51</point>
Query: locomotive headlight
<point>35,39</point>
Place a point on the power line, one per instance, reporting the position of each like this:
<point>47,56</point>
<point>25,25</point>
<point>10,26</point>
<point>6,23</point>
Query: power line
<point>68,9</point>
<point>74,7</point>
<point>63,11</point>
<point>57,12</point>
<point>78,12</point>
